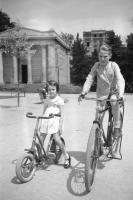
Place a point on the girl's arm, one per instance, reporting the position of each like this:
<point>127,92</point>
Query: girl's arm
<point>45,105</point>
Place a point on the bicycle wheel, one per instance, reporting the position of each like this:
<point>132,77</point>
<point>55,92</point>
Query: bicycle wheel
<point>25,167</point>
<point>91,157</point>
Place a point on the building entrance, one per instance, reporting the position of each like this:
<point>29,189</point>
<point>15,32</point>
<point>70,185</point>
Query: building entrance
<point>24,73</point>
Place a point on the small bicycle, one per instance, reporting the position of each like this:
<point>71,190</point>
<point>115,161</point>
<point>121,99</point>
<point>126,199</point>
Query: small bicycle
<point>37,156</point>
<point>101,141</point>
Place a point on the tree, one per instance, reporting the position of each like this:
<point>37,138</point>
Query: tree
<point>115,42</point>
<point>16,43</point>
<point>5,22</point>
<point>129,68</point>
<point>68,38</point>
<point>79,62</point>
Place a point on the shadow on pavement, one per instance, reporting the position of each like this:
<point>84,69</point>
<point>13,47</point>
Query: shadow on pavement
<point>4,106</point>
<point>9,97</point>
<point>76,179</point>
<point>78,155</point>
<point>15,180</point>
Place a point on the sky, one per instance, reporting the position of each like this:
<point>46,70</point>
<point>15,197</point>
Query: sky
<point>72,16</point>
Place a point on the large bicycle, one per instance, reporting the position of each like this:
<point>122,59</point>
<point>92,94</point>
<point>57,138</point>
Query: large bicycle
<point>36,156</point>
<point>101,140</point>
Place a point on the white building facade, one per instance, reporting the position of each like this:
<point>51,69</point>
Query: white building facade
<point>49,62</point>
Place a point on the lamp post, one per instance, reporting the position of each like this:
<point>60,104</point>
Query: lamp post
<point>18,63</point>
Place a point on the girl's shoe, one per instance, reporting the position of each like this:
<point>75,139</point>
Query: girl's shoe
<point>67,163</point>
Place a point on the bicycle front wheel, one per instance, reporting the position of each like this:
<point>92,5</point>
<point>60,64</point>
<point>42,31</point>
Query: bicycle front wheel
<point>91,157</point>
<point>25,167</point>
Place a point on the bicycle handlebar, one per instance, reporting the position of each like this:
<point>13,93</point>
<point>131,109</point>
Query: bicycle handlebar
<point>30,115</point>
<point>107,100</point>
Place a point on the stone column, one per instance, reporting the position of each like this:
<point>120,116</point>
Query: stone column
<point>15,69</point>
<point>68,68</point>
<point>29,68</point>
<point>52,72</point>
<point>44,64</point>
<point>1,69</point>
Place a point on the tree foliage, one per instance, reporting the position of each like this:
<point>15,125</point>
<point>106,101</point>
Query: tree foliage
<point>115,42</point>
<point>5,22</point>
<point>129,62</point>
<point>78,61</point>
<point>16,43</point>
<point>81,62</point>
<point>68,38</point>
<point>122,55</point>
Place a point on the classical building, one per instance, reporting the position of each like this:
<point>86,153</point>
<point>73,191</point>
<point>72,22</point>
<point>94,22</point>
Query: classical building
<point>50,60</point>
<point>94,38</point>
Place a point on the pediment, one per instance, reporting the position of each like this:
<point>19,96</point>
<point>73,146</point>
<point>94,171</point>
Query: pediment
<point>29,32</point>
<point>36,34</point>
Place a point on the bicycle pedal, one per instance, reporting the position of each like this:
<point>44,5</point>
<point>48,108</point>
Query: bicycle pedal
<point>51,155</point>
<point>112,156</point>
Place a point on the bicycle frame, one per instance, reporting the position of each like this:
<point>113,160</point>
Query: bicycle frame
<point>36,156</point>
<point>38,144</point>
<point>99,121</point>
<point>97,140</point>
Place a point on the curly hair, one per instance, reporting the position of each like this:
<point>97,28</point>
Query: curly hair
<point>53,83</point>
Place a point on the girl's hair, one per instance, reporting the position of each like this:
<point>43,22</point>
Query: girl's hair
<point>53,83</point>
<point>105,47</point>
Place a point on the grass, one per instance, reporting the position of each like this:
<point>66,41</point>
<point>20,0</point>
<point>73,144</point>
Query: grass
<point>33,88</point>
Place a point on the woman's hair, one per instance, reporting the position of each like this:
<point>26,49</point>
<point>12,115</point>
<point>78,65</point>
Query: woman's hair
<point>53,83</point>
<point>105,47</point>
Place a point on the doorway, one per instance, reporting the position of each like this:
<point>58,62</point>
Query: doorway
<point>24,73</point>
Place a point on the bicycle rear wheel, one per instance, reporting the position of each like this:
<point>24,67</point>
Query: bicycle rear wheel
<point>91,157</point>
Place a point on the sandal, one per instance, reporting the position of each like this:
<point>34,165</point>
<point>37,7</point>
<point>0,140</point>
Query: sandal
<point>67,163</point>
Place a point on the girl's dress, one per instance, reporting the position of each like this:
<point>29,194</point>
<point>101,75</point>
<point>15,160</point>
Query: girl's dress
<point>51,126</point>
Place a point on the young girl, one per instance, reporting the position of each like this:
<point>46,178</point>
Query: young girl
<point>54,105</point>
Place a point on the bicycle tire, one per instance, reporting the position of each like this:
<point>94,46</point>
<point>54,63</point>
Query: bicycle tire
<point>25,167</point>
<point>91,157</point>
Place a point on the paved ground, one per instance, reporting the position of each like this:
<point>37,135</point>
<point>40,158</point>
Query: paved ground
<point>114,179</point>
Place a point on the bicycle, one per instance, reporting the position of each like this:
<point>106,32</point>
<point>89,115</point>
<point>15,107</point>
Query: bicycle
<point>100,140</point>
<point>37,156</point>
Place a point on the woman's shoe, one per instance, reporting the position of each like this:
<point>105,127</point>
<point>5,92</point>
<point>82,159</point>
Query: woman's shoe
<point>67,163</point>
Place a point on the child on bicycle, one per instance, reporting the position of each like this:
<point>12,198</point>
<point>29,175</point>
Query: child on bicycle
<point>54,104</point>
<point>110,84</point>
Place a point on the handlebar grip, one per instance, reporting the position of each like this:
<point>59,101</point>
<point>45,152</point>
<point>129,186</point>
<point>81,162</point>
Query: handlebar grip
<point>30,115</point>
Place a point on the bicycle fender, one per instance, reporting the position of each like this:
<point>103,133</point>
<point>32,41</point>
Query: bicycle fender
<point>96,122</point>
<point>30,151</point>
